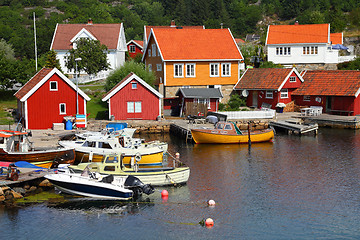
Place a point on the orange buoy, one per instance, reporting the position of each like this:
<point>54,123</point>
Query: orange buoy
<point>164,194</point>
<point>209,223</point>
<point>211,202</point>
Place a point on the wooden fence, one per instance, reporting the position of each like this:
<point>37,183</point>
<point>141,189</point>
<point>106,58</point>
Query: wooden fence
<point>192,108</point>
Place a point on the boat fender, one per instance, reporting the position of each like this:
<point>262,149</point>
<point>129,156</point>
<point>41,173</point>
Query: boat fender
<point>137,157</point>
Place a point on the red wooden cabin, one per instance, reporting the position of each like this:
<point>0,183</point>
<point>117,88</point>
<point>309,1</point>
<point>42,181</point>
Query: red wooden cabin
<point>133,98</point>
<point>47,98</point>
<point>135,47</point>
<point>268,86</point>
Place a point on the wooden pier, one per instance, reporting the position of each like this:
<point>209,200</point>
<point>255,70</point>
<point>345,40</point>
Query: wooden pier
<point>183,128</point>
<point>294,127</point>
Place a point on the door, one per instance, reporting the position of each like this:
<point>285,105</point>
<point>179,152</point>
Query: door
<point>255,99</point>
<point>328,104</point>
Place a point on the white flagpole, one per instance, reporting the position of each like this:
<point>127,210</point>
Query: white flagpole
<point>35,44</point>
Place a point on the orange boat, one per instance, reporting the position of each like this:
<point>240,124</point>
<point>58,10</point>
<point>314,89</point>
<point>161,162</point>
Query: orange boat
<point>15,146</point>
<point>228,132</point>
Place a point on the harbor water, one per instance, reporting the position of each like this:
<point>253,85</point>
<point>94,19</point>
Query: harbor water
<point>293,188</point>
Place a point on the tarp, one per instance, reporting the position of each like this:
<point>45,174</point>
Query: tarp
<point>24,164</point>
<point>4,164</point>
<point>339,46</point>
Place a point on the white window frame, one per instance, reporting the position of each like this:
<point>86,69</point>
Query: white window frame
<point>134,84</point>
<point>306,98</point>
<point>130,107</point>
<point>153,49</point>
<point>283,51</point>
<point>150,67</point>
<point>55,89</point>
<point>190,73</point>
<point>62,112</point>
<point>310,50</point>
<point>269,94</point>
<point>284,93</point>
<point>138,107</point>
<point>132,48</point>
<point>149,52</point>
<point>178,70</point>
<point>226,66</point>
<point>214,73</point>
<point>158,67</point>
<point>292,79</point>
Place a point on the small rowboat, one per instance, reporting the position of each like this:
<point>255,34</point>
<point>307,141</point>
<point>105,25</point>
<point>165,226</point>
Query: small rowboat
<point>228,132</point>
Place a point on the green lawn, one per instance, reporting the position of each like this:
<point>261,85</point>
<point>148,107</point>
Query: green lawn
<point>95,107</point>
<point>7,104</point>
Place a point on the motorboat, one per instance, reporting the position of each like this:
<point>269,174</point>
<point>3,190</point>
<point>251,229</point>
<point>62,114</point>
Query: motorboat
<point>94,185</point>
<point>228,132</point>
<point>176,174</point>
<point>15,146</point>
<point>93,147</point>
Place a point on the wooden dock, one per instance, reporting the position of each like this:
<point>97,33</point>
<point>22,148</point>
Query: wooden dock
<point>295,128</point>
<point>183,128</point>
<point>26,175</point>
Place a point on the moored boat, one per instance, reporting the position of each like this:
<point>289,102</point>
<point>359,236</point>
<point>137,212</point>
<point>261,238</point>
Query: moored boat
<point>94,185</point>
<point>15,146</point>
<point>228,132</point>
<point>113,164</point>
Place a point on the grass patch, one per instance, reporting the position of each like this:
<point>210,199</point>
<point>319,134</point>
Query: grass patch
<point>8,103</point>
<point>97,108</point>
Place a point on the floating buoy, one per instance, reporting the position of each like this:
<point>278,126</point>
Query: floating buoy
<point>211,202</point>
<point>164,194</point>
<point>209,223</point>
<point>177,155</point>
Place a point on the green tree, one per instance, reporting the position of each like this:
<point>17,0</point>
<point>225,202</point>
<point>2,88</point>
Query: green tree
<point>6,50</point>
<point>270,64</point>
<point>120,73</point>
<point>352,65</point>
<point>93,56</point>
<point>51,61</point>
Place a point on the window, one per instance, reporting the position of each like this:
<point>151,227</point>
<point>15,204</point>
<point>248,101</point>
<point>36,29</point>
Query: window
<point>292,79</point>
<point>150,67</point>
<point>134,107</point>
<point>203,101</point>
<point>226,69</point>
<point>284,93</point>
<point>269,94</point>
<point>153,49</point>
<point>111,159</point>
<point>89,144</point>
<point>306,99</point>
<point>62,108</point>
<point>53,86</point>
<point>228,127</point>
<point>149,52</point>
<point>214,69</point>
<point>190,70</point>
<point>132,48</point>
<point>283,51</point>
<point>158,67</point>
<point>311,50</point>
<point>134,85</point>
<point>104,145</point>
<point>178,70</point>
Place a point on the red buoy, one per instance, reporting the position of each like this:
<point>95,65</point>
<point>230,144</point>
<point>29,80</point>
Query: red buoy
<point>209,223</point>
<point>164,194</point>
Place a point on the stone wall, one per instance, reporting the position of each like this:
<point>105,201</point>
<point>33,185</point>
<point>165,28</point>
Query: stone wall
<point>320,66</point>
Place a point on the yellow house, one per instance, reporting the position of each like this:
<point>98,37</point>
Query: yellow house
<point>193,58</point>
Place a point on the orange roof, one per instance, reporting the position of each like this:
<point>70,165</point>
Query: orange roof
<point>309,33</point>
<point>141,43</point>
<point>330,83</point>
<point>148,28</point>
<point>196,44</point>
<point>107,34</point>
<point>239,40</point>
<point>32,82</point>
<point>336,38</point>
<point>263,78</point>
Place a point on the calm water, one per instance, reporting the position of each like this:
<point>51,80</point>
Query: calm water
<point>294,188</point>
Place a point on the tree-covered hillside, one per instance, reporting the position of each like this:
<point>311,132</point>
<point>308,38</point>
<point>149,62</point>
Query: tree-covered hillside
<point>241,16</point>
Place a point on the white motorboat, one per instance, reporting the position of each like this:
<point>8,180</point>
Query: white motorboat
<point>94,185</point>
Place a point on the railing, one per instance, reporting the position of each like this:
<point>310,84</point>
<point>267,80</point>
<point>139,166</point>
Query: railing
<point>92,77</point>
<point>262,114</point>
<point>346,58</point>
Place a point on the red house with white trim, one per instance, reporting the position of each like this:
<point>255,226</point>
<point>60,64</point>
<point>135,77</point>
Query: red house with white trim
<point>135,47</point>
<point>336,91</point>
<point>47,98</point>
<point>133,98</point>
<point>268,86</point>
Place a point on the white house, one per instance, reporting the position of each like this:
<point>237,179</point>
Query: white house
<point>111,35</point>
<point>302,44</point>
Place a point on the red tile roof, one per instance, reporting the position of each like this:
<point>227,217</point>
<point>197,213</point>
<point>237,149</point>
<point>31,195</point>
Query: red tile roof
<point>330,83</point>
<point>141,43</point>
<point>336,38</point>
<point>107,34</point>
<point>148,28</point>
<point>263,78</point>
<point>32,82</point>
<point>309,33</point>
<point>239,40</point>
<point>196,44</point>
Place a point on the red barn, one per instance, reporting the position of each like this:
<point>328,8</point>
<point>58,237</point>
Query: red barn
<point>133,98</point>
<point>47,98</point>
<point>135,47</point>
<point>268,86</point>
<point>336,91</point>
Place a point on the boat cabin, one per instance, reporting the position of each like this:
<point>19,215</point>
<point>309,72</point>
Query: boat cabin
<point>15,141</point>
<point>226,128</point>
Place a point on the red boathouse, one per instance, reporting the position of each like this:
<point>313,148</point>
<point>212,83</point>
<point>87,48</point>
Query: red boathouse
<point>47,98</point>
<point>133,98</point>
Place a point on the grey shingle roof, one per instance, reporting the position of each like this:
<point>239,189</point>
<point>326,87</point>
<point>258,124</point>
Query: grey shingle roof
<point>200,92</point>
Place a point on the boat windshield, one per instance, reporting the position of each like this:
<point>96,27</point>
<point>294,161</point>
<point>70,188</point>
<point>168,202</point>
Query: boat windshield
<point>89,144</point>
<point>111,159</point>
<point>220,126</point>
<point>104,145</point>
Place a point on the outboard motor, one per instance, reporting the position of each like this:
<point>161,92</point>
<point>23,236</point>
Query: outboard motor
<point>138,186</point>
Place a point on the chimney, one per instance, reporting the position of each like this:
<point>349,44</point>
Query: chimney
<point>172,23</point>
<point>296,23</point>
<point>90,22</point>
<point>221,24</point>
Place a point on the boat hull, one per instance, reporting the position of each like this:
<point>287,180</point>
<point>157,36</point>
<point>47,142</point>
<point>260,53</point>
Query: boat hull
<point>40,158</point>
<point>75,186</point>
<point>206,136</point>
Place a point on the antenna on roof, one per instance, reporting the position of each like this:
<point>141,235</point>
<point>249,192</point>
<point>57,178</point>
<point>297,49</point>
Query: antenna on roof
<point>90,22</point>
